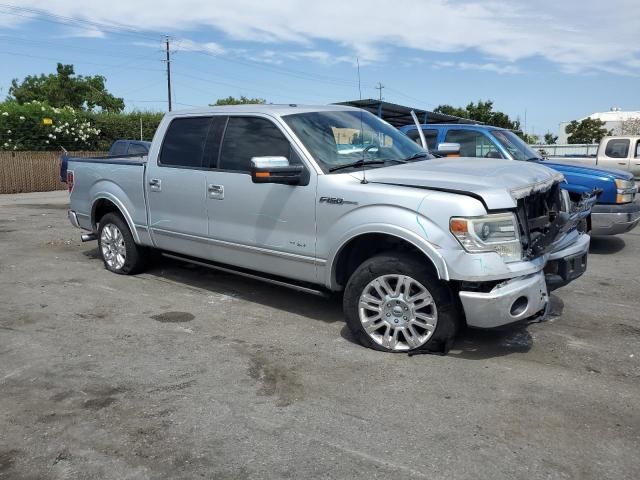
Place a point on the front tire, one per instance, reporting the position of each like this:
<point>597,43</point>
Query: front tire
<point>116,246</point>
<point>394,302</point>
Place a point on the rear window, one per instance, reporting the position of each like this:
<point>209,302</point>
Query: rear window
<point>617,148</point>
<point>119,148</point>
<point>184,142</point>
<point>137,149</point>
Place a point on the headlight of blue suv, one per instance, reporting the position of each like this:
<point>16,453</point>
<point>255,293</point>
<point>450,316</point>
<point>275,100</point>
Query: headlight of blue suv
<point>496,232</point>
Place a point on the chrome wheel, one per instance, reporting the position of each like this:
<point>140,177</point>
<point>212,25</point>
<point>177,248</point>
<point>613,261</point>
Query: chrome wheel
<point>397,312</point>
<point>112,246</point>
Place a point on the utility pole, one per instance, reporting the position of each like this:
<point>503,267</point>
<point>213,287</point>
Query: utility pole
<point>168,72</point>
<point>379,88</point>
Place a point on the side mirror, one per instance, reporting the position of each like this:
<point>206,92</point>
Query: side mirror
<point>275,170</point>
<point>448,150</point>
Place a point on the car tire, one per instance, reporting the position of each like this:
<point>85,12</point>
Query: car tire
<point>394,302</point>
<point>119,252</point>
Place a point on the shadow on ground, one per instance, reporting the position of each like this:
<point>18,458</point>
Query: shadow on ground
<point>471,344</point>
<point>324,309</point>
<point>606,245</point>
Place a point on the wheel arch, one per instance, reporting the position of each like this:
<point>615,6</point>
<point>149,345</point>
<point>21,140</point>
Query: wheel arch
<point>106,203</point>
<point>361,246</point>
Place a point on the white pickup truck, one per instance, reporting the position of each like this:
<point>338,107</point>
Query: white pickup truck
<point>622,153</point>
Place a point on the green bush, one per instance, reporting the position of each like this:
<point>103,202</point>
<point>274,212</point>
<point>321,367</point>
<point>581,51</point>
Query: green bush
<point>113,126</point>
<point>23,127</point>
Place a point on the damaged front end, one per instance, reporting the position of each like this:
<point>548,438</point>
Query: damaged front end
<point>546,213</point>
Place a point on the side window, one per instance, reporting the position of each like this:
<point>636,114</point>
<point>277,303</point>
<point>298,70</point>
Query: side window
<point>617,148</point>
<point>638,149</point>
<point>137,149</point>
<point>118,148</point>
<point>184,142</point>
<point>248,137</point>
<point>473,144</point>
<point>430,135</point>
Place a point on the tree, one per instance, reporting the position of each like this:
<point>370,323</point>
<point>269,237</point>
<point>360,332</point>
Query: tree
<point>66,89</point>
<point>530,138</point>
<point>586,131</point>
<point>550,138</point>
<point>481,112</point>
<point>239,101</point>
<point>630,127</point>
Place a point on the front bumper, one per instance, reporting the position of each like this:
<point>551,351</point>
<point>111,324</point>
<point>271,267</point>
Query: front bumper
<point>614,219</point>
<point>526,297</point>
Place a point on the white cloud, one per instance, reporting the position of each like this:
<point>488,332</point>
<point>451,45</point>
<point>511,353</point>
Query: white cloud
<point>186,45</point>
<point>487,67</point>
<point>577,35</point>
<point>89,32</point>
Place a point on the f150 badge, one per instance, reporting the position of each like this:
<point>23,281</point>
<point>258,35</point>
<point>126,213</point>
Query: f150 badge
<point>336,201</point>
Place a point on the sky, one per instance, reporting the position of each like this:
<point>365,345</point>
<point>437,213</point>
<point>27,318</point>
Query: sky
<point>545,61</point>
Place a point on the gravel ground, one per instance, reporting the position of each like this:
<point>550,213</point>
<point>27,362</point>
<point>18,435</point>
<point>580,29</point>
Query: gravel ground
<point>182,372</point>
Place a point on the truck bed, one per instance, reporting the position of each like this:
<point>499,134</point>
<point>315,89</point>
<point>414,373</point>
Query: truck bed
<point>118,179</point>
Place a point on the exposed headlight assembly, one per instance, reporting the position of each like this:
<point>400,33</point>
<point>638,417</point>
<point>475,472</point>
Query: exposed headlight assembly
<point>625,191</point>
<point>497,232</point>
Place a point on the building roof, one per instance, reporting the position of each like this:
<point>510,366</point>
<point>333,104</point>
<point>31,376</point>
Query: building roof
<point>399,115</point>
<point>614,115</point>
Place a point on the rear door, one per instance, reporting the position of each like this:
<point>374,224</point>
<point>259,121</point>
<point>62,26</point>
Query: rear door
<point>176,187</point>
<point>264,227</point>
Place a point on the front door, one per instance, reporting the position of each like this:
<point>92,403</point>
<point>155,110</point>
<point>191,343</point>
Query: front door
<point>616,154</point>
<point>266,227</point>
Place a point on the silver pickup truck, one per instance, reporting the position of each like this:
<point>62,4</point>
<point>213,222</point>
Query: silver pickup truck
<point>418,246</point>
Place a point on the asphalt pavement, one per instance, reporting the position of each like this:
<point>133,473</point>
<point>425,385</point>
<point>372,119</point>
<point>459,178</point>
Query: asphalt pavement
<point>183,372</point>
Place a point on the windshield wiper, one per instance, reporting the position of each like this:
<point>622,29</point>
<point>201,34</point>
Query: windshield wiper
<point>359,163</point>
<point>415,156</point>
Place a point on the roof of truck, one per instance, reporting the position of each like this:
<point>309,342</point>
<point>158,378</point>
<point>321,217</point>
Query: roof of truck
<point>271,109</point>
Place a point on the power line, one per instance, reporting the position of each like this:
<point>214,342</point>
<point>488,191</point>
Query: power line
<point>110,53</point>
<point>17,54</point>
<point>63,20</point>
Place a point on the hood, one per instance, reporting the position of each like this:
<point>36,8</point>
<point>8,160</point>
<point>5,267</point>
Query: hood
<point>496,181</point>
<point>603,173</point>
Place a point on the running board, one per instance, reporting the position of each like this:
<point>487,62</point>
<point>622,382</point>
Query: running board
<point>254,276</point>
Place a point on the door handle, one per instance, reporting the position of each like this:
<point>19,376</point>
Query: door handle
<point>216,191</point>
<point>155,184</point>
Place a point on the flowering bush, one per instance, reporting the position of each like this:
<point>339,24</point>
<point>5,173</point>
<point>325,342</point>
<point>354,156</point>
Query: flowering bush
<point>23,127</point>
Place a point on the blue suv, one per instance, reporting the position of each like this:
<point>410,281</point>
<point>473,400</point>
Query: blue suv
<point>616,211</point>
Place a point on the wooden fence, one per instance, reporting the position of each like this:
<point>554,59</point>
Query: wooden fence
<point>22,172</point>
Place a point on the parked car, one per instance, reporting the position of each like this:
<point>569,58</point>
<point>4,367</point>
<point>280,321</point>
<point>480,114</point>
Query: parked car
<point>622,153</point>
<point>118,148</point>
<point>129,147</point>
<point>616,211</point>
<point>417,247</point>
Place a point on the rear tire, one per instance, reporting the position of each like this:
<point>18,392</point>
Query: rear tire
<point>119,252</point>
<point>394,302</point>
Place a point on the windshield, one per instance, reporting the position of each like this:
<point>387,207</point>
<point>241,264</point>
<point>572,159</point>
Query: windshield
<point>516,147</point>
<point>342,138</point>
